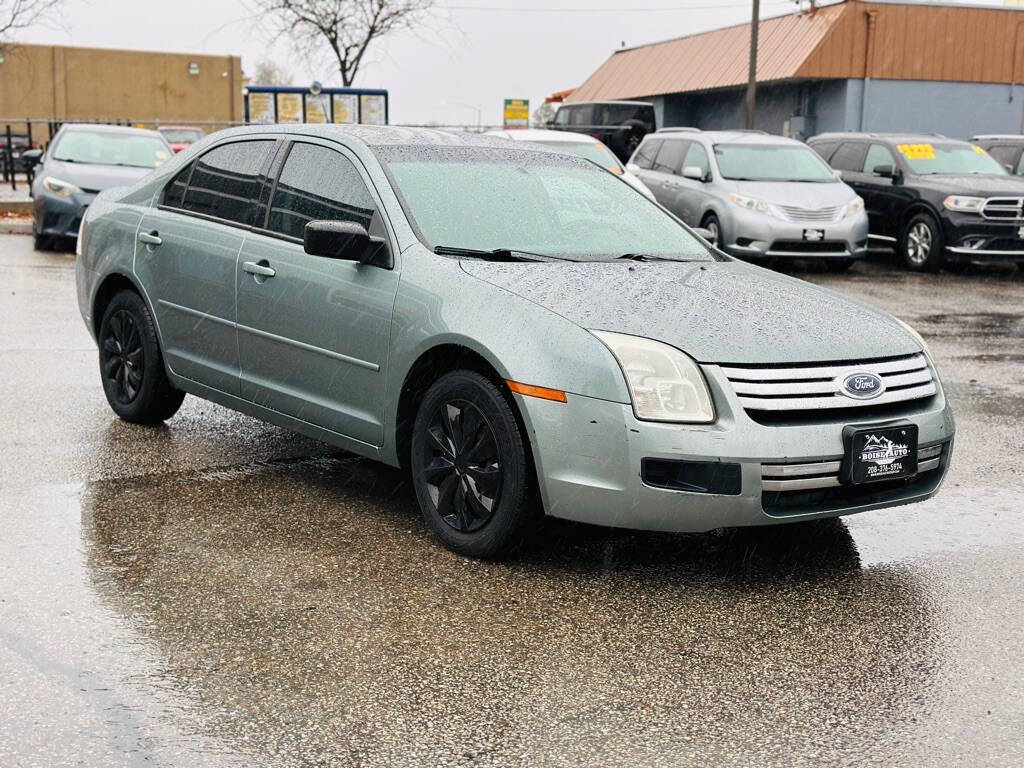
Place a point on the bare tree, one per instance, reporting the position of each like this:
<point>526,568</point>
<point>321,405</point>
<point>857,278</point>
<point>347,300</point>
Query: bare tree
<point>271,73</point>
<point>543,115</point>
<point>348,27</point>
<point>18,14</point>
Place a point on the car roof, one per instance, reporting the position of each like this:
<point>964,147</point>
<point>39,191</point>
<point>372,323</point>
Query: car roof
<point>609,101</point>
<point>896,138</point>
<point>178,128</point>
<point>998,137</point>
<point>372,135</point>
<point>732,137</point>
<point>104,128</point>
<point>544,135</point>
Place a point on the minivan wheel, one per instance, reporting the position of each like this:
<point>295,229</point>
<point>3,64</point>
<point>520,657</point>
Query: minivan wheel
<point>711,224</point>
<point>469,466</point>
<point>131,367</point>
<point>921,246</point>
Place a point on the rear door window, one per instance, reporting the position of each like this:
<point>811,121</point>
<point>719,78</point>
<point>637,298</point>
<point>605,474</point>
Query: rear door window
<point>318,183</point>
<point>226,181</point>
<point>174,193</point>
<point>849,157</point>
<point>645,154</point>
<point>670,156</point>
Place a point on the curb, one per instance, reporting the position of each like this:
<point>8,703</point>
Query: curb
<point>15,226</point>
<point>17,207</point>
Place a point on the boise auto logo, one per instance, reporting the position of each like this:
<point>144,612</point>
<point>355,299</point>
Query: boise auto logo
<point>862,386</point>
<point>882,451</point>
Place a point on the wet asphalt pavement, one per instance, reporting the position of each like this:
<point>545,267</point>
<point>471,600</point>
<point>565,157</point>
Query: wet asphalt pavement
<point>221,592</point>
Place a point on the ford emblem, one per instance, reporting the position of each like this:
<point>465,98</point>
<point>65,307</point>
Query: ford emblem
<point>862,386</point>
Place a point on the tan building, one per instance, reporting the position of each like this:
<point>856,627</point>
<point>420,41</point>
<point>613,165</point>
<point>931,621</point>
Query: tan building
<point>52,82</point>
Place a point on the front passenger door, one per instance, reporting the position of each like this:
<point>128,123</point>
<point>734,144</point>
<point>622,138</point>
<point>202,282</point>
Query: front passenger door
<point>313,332</point>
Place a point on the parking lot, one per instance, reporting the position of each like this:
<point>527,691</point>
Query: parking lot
<point>218,591</point>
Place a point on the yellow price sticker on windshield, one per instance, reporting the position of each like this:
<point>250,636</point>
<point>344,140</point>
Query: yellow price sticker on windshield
<point>978,150</point>
<point>917,151</point>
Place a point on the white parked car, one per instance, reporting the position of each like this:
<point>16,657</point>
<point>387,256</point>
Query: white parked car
<point>577,144</point>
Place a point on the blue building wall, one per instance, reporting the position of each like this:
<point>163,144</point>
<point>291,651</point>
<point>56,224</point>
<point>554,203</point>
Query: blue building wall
<point>957,110</point>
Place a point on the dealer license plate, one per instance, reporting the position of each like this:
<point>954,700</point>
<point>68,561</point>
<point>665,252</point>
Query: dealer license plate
<point>874,454</point>
<point>814,235</point>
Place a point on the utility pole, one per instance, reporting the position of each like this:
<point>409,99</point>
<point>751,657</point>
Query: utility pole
<point>752,76</point>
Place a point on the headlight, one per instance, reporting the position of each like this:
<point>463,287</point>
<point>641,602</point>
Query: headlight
<point>964,204</point>
<point>750,203</point>
<point>665,384</point>
<point>854,207</point>
<point>59,187</point>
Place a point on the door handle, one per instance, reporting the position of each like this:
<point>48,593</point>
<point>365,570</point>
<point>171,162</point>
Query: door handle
<point>150,238</point>
<point>258,269</point>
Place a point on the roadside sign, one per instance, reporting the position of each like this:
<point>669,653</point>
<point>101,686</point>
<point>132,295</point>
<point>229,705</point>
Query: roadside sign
<point>317,108</point>
<point>289,107</point>
<point>315,104</point>
<point>261,108</point>
<point>346,108</point>
<point>517,113</point>
<point>371,109</point>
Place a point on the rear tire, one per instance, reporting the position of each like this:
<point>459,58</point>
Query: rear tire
<point>131,366</point>
<point>921,246</point>
<point>470,468</point>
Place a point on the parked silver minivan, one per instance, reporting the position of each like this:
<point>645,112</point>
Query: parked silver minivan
<point>761,197</point>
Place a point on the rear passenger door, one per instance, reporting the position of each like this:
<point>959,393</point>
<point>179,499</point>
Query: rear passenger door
<point>692,194</point>
<point>665,173</point>
<point>642,162</point>
<point>884,199</point>
<point>186,254</point>
<point>313,337</point>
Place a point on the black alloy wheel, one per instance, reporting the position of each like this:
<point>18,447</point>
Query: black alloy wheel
<point>123,361</point>
<point>131,367</point>
<point>461,465</point>
<point>469,466</point>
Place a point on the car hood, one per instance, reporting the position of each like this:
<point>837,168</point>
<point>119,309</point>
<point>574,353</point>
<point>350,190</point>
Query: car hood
<point>94,178</point>
<point>802,194</point>
<point>716,312</point>
<point>977,184</point>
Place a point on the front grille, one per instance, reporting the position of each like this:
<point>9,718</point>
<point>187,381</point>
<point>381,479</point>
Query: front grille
<point>819,387</point>
<point>795,213</point>
<point>807,246</point>
<point>825,474</point>
<point>834,496</point>
<point>1003,208</point>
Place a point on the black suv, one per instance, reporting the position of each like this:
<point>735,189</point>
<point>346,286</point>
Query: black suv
<point>933,198</point>
<point>1008,150</point>
<point>619,124</point>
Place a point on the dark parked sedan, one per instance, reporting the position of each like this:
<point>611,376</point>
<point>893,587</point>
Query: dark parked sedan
<point>82,161</point>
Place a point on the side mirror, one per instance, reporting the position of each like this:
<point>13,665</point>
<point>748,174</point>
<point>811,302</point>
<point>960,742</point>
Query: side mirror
<point>694,172</point>
<point>31,157</point>
<point>344,240</point>
<point>885,171</point>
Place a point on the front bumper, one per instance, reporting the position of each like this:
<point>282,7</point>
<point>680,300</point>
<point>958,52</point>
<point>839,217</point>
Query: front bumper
<point>759,236</point>
<point>970,237</point>
<point>589,455</point>
<point>60,216</point>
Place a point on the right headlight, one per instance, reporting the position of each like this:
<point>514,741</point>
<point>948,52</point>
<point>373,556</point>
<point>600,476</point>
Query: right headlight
<point>60,187</point>
<point>964,203</point>
<point>664,383</point>
<point>854,207</point>
<point>751,203</point>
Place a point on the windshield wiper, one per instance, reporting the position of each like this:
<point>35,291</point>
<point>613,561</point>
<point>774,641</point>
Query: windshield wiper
<point>647,257</point>
<point>496,254</point>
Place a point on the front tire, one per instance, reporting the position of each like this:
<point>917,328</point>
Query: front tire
<point>712,225</point>
<point>131,366</point>
<point>470,468</point>
<point>921,245</point>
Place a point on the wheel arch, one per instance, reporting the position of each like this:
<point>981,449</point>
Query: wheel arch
<point>912,210</point>
<point>108,288</point>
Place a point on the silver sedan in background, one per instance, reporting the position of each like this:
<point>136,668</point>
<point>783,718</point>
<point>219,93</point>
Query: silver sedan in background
<point>760,197</point>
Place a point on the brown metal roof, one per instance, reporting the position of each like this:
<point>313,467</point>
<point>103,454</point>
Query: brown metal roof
<point>911,42</point>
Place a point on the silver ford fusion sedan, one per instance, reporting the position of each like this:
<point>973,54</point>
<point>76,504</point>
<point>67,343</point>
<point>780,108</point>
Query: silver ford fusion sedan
<point>523,331</point>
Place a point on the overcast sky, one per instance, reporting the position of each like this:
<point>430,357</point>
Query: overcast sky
<point>474,52</point>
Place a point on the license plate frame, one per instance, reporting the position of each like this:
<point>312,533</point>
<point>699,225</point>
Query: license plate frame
<point>879,453</point>
<point>813,235</point>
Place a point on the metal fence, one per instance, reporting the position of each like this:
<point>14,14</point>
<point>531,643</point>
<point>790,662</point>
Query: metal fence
<point>17,135</point>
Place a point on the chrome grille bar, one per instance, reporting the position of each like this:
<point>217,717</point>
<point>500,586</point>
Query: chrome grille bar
<point>825,474</point>
<point>1003,208</point>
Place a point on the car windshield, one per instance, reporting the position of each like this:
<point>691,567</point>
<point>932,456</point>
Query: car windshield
<point>928,158</point>
<point>771,162</point>
<point>591,150</point>
<point>182,135</point>
<point>531,201</point>
<point>110,148</point>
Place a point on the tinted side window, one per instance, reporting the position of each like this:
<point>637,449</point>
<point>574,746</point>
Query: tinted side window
<point>1005,154</point>
<point>226,181</point>
<point>646,152</point>
<point>318,183</point>
<point>580,115</point>
<point>1020,166</point>
<point>849,157</point>
<point>174,193</point>
<point>825,148</point>
<point>878,155</point>
<point>562,116</point>
<point>670,158</point>
<point>617,114</point>
<point>698,156</point>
